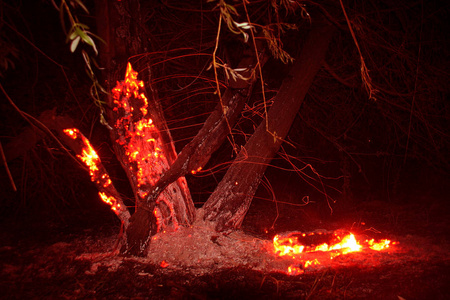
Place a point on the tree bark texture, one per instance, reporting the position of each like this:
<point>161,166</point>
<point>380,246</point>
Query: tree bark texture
<point>214,132</point>
<point>120,25</point>
<point>229,203</point>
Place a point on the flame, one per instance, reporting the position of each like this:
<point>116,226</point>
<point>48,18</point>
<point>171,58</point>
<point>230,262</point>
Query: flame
<point>293,245</point>
<point>348,244</point>
<point>90,158</point>
<point>377,246</point>
<point>291,248</point>
<point>110,200</point>
<point>88,154</point>
<point>139,137</point>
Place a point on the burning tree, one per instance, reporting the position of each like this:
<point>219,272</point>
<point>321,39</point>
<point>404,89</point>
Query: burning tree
<point>132,111</point>
<point>144,145</point>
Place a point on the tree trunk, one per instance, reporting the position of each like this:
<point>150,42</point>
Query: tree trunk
<point>214,132</point>
<point>229,203</point>
<point>120,25</point>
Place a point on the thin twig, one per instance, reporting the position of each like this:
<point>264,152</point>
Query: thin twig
<point>11,179</point>
<point>33,121</point>
<point>364,71</point>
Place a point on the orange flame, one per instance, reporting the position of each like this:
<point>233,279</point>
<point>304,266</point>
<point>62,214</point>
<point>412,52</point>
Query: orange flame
<point>89,156</point>
<point>110,200</point>
<point>377,246</point>
<point>164,264</point>
<point>92,161</point>
<point>292,245</point>
<point>140,139</point>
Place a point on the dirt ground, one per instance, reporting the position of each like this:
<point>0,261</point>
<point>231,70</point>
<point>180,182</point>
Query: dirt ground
<point>71,259</point>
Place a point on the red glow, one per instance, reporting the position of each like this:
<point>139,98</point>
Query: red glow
<point>139,137</point>
<point>296,246</point>
<point>98,174</point>
<point>377,246</point>
<point>140,140</point>
<point>196,171</point>
<point>110,200</point>
<point>164,264</point>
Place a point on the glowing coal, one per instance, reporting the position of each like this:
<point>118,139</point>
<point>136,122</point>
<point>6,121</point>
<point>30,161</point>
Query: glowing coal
<point>314,248</point>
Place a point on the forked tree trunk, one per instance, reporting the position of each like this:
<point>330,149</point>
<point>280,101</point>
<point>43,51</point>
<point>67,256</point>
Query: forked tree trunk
<point>229,203</point>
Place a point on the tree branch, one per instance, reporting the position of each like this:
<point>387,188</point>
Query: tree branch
<point>229,203</point>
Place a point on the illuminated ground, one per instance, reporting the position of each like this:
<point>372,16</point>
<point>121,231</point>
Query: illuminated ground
<point>52,259</point>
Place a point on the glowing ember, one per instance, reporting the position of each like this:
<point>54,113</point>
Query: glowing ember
<point>297,245</point>
<point>196,171</point>
<point>141,142</point>
<point>110,200</point>
<point>89,156</point>
<point>348,244</point>
<point>98,174</point>
<point>293,270</point>
<point>164,264</point>
<point>377,246</point>
<point>138,137</point>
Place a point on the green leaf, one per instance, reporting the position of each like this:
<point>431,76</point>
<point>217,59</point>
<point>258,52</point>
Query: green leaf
<point>81,33</point>
<point>73,35</point>
<point>97,37</point>
<point>81,25</point>
<point>88,40</point>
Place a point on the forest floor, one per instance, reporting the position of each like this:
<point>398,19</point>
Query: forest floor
<point>72,258</point>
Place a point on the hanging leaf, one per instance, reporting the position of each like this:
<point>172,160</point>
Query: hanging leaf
<point>74,44</point>
<point>88,40</point>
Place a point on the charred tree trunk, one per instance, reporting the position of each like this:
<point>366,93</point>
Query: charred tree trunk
<point>229,203</point>
<point>214,132</point>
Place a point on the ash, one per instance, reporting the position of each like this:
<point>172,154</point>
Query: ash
<point>200,249</point>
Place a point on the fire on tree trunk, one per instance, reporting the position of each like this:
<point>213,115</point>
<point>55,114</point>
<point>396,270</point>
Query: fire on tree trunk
<point>139,146</point>
<point>163,197</point>
<point>196,154</point>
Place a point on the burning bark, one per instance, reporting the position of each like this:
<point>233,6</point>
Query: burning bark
<point>191,159</point>
<point>99,176</point>
<point>140,148</point>
<point>144,151</point>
